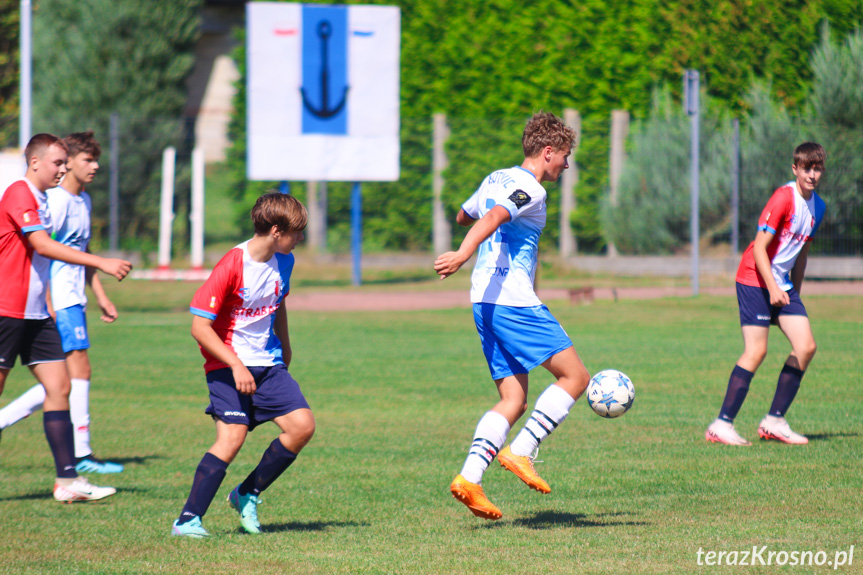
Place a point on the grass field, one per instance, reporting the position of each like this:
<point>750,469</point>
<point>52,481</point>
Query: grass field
<point>397,396</point>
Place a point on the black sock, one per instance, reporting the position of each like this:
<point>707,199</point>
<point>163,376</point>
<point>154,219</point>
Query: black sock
<point>786,390</point>
<point>738,387</point>
<point>208,477</point>
<point>275,460</point>
<point>58,432</point>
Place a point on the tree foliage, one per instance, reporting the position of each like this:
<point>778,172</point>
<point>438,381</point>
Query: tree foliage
<point>9,42</point>
<point>489,65</point>
<point>93,58</point>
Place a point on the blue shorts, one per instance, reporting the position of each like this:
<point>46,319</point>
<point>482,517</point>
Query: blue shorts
<point>517,339</point>
<point>755,308</point>
<point>72,325</point>
<point>277,394</point>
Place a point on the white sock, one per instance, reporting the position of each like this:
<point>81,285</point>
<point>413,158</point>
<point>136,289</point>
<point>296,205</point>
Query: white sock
<point>30,401</point>
<point>489,437</point>
<point>552,407</point>
<point>79,411</point>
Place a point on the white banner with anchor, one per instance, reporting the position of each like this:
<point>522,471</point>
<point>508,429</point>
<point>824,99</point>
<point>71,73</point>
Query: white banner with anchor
<point>322,92</point>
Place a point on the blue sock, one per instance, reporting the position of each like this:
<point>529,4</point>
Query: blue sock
<point>208,477</point>
<point>738,387</point>
<point>786,389</point>
<point>58,432</point>
<point>275,460</point>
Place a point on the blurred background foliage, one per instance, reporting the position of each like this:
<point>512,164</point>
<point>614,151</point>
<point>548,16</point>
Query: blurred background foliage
<point>488,65</point>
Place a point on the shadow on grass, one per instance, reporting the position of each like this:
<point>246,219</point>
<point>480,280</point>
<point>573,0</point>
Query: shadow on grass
<point>33,496</point>
<point>139,460</point>
<point>828,436</point>
<point>556,519</point>
<point>309,526</point>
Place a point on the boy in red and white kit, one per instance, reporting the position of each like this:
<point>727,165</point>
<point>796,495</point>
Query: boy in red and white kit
<point>768,292</point>
<point>26,329</point>
<point>241,326</point>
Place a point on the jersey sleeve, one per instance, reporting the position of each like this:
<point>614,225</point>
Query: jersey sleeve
<point>471,207</point>
<point>22,208</point>
<point>224,281</point>
<point>776,211</point>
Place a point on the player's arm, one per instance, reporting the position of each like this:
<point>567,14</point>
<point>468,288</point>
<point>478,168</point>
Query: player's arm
<point>280,327</point>
<point>463,219</point>
<point>109,311</point>
<point>778,297</point>
<point>450,262</point>
<point>799,269</point>
<point>48,248</point>
<point>209,340</point>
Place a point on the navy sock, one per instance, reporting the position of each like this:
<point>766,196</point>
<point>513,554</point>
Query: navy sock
<point>275,460</point>
<point>58,432</point>
<point>208,477</point>
<point>738,387</point>
<point>786,389</point>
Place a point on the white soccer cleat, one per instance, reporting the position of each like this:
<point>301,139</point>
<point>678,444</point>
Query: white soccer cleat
<point>721,431</point>
<point>777,428</point>
<point>81,490</point>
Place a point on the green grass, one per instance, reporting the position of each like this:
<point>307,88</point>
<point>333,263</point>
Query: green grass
<point>397,396</point>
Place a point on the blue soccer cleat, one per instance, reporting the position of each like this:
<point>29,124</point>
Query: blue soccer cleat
<point>247,507</point>
<point>192,528</point>
<point>90,464</point>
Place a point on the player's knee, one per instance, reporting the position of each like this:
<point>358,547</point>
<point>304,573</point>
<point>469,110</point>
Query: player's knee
<point>304,429</point>
<point>808,351</point>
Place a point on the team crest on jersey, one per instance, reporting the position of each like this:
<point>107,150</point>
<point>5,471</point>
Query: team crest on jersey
<point>245,293</point>
<point>213,302</point>
<point>519,198</point>
<point>26,217</point>
<point>278,287</point>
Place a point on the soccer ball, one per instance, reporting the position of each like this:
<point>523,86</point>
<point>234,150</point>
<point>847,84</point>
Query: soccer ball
<point>610,393</point>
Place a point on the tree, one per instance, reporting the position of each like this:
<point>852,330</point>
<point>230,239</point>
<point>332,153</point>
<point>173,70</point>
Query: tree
<point>9,41</point>
<point>93,58</point>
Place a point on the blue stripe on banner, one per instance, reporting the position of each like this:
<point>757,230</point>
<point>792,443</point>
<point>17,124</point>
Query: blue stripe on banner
<point>325,70</point>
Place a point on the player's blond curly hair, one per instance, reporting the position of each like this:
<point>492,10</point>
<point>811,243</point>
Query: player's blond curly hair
<point>546,129</point>
<point>284,211</point>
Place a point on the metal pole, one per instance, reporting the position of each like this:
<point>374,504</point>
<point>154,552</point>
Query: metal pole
<point>285,187</point>
<point>196,215</point>
<point>114,184</point>
<point>166,208</point>
<point>26,75</point>
<point>616,159</point>
<point>691,83</point>
<point>735,190</point>
<point>356,232</point>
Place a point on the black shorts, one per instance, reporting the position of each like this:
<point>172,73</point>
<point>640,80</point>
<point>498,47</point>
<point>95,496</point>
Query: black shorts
<point>277,394</point>
<point>35,340</point>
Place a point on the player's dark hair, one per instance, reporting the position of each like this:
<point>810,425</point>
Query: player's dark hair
<point>284,211</point>
<point>546,129</point>
<point>808,155</point>
<point>39,143</point>
<point>83,143</point>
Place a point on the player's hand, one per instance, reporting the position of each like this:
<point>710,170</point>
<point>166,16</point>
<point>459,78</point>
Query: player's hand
<point>779,298</point>
<point>447,264</point>
<point>244,380</point>
<point>116,267</point>
<point>109,312</point>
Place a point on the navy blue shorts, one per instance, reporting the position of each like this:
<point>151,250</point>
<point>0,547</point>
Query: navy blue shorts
<point>755,308</point>
<point>277,394</point>
<point>35,340</point>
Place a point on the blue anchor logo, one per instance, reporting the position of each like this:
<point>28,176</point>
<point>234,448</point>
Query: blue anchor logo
<point>324,112</point>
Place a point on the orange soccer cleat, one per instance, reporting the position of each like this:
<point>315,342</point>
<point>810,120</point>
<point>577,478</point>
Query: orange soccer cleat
<point>471,495</point>
<point>522,466</point>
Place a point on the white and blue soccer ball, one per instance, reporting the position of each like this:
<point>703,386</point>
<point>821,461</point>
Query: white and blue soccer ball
<point>610,393</point>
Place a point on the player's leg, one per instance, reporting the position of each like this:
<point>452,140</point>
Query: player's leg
<point>23,406</point>
<point>278,392</point>
<point>78,363</point>
<point>551,409</point>
<point>799,332</point>
<point>208,478</point>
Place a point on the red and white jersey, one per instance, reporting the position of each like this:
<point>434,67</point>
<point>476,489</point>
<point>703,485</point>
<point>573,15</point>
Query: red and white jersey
<point>793,221</point>
<point>241,296</point>
<point>23,209</point>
